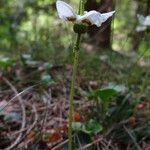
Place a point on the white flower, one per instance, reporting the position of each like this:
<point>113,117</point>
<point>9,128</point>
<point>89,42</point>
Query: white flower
<point>144,23</point>
<point>93,17</point>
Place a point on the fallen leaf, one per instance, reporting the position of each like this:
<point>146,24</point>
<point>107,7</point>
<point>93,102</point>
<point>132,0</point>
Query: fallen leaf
<point>53,137</point>
<point>31,135</point>
<point>132,121</point>
<point>63,129</point>
<point>76,117</point>
<point>140,106</point>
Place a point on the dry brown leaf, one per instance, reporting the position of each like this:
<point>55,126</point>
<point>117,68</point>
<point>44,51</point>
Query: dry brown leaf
<point>63,129</point>
<point>76,117</point>
<point>31,135</point>
<point>53,137</point>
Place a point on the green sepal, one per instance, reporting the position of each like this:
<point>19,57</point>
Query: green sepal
<point>79,28</point>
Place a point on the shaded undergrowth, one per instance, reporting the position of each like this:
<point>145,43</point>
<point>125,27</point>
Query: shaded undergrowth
<point>111,104</point>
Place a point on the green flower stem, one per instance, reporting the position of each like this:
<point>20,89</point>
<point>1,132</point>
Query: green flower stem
<point>74,74</point>
<point>71,101</point>
<point>81,7</point>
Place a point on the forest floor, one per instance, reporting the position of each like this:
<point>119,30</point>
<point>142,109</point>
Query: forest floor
<point>34,104</point>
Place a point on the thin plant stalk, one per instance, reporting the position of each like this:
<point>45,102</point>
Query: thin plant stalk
<point>81,7</point>
<point>71,102</point>
<point>76,51</point>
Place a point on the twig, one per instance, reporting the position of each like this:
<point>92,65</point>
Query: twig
<point>49,98</point>
<point>43,121</point>
<point>97,146</point>
<point>109,144</point>
<point>33,125</point>
<point>16,96</point>
<point>23,114</point>
<point>133,139</point>
<point>104,145</point>
<point>115,126</point>
<point>90,144</point>
<point>60,145</point>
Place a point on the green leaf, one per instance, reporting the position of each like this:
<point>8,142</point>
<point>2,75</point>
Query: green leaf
<point>108,92</point>
<point>93,127</point>
<point>26,56</point>
<point>32,63</point>
<point>46,79</point>
<point>117,87</point>
<point>47,65</point>
<point>105,94</point>
<point>77,126</point>
<point>6,62</point>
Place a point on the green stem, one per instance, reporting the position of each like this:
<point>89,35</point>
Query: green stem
<point>71,104</point>
<point>81,7</point>
<point>72,90</point>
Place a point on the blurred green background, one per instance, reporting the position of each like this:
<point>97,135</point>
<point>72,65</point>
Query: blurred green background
<point>33,26</point>
<point>31,34</point>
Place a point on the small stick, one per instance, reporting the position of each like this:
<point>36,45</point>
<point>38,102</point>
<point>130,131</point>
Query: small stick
<point>23,114</point>
<point>60,145</point>
<point>133,139</point>
<point>33,125</point>
<point>17,94</point>
<point>90,144</point>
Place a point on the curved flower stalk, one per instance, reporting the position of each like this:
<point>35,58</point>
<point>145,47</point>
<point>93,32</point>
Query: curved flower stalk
<point>81,21</point>
<point>144,23</point>
<point>66,13</point>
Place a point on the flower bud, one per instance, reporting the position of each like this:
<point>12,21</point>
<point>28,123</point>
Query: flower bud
<point>79,28</point>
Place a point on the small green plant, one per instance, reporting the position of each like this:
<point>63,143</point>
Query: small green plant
<point>6,62</point>
<point>112,105</point>
<point>91,128</point>
<point>81,21</point>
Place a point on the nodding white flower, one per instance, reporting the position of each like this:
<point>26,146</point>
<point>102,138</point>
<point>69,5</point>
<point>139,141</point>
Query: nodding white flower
<point>144,23</point>
<point>93,17</point>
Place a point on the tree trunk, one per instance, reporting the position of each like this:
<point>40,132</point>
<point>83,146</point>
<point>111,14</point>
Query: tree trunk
<point>147,12</point>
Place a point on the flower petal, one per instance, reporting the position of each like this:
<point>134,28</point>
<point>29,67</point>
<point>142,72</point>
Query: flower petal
<point>141,19</point>
<point>144,20</point>
<point>140,28</point>
<point>94,18</point>
<point>89,18</point>
<point>65,11</point>
<point>105,16</point>
<point>147,21</point>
